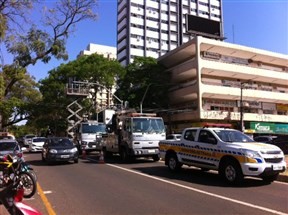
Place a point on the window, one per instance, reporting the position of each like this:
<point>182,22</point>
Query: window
<point>190,135</point>
<point>207,137</point>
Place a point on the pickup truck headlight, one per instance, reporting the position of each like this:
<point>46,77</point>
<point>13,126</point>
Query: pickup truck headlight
<point>251,153</point>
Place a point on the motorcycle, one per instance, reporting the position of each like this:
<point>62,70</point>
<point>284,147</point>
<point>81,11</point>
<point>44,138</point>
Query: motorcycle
<point>12,188</point>
<point>27,176</point>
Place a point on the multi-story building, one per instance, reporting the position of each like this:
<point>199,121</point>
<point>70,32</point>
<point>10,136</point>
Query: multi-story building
<point>222,83</point>
<point>107,51</point>
<point>151,28</point>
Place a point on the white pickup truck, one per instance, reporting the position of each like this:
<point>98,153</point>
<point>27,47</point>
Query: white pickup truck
<point>230,152</point>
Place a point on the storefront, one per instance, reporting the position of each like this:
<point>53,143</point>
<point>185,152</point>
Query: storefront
<point>268,128</point>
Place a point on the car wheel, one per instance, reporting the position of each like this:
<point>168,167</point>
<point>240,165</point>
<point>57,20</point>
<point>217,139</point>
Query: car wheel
<point>231,172</point>
<point>173,163</point>
<point>76,160</point>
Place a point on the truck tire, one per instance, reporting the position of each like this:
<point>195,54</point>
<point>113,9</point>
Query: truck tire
<point>106,154</point>
<point>124,155</point>
<point>270,178</point>
<point>173,163</point>
<point>155,158</point>
<point>231,172</point>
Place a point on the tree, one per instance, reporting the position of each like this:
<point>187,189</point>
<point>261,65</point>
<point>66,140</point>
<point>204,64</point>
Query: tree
<point>17,100</point>
<point>35,44</point>
<point>144,75</point>
<point>93,68</point>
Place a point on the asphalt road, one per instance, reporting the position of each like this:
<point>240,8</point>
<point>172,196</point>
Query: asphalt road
<point>147,187</point>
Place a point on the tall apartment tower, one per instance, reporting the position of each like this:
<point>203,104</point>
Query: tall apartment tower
<point>151,28</point>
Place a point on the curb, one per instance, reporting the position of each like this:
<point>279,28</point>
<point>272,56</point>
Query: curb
<point>282,178</point>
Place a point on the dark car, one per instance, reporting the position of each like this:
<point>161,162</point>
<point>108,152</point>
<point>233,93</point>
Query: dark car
<point>59,149</point>
<point>264,139</point>
<point>280,141</point>
<point>10,146</point>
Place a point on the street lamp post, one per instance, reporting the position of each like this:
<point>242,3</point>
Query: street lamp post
<point>141,103</point>
<point>242,86</point>
<point>241,108</point>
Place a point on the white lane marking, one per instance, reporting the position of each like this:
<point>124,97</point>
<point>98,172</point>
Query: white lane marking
<point>47,192</point>
<point>201,191</point>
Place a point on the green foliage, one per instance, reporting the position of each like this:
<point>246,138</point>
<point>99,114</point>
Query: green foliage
<point>18,92</point>
<point>29,43</point>
<point>144,75</point>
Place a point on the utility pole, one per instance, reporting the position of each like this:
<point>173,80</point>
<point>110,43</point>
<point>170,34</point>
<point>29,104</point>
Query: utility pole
<point>141,103</point>
<point>242,127</point>
<point>241,107</point>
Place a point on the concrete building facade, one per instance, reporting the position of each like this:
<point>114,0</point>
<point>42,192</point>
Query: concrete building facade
<point>217,82</point>
<point>151,28</point>
<point>109,52</point>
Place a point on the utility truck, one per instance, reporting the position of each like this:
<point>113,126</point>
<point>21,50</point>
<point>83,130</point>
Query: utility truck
<point>133,135</point>
<point>230,152</point>
<point>88,136</point>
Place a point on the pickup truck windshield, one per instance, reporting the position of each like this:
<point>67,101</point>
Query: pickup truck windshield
<point>148,125</point>
<point>232,136</point>
<point>93,128</point>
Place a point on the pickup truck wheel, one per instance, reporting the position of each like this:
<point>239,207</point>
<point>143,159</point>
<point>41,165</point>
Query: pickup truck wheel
<point>231,171</point>
<point>270,178</point>
<point>173,163</point>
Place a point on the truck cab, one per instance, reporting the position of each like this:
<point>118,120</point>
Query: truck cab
<point>135,135</point>
<point>89,136</point>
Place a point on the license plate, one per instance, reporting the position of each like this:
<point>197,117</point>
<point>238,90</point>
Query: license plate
<point>275,167</point>
<point>151,151</point>
<point>64,156</point>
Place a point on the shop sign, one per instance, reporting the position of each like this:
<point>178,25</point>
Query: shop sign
<point>262,127</point>
<point>281,128</point>
<point>282,107</point>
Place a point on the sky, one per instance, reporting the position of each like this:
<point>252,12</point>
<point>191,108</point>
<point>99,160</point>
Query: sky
<point>261,24</point>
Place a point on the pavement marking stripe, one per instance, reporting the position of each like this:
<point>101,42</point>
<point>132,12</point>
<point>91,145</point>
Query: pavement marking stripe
<point>45,200</point>
<point>201,191</point>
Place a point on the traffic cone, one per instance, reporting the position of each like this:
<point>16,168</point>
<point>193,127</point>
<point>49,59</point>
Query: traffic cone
<point>83,153</point>
<point>101,158</point>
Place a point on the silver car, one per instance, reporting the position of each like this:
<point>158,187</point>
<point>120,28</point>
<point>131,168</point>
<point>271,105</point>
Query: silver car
<point>10,146</point>
<point>27,139</point>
